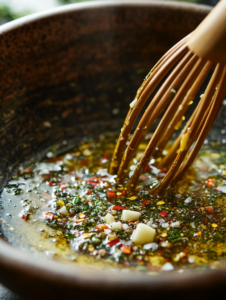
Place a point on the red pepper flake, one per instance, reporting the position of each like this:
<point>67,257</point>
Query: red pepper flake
<point>209,182</point>
<point>28,171</point>
<point>93,183</point>
<point>111,194</point>
<point>49,216</point>
<point>146,201</point>
<point>126,249</point>
<point>163,213</point>
<point>24,217</point>
<point>84,162</point>
<point>88,192</point>
<point>208,208</point>
<point>118,207</point>
<point>63,186</point>
<point>101,227</point>
<point>105,157</point>
<point>114,242</point>
<point>143,177</point>
<point>46,176</point>
<point>146,169</point>
<point>124,193</point>
<point>54,159</point>
<point>164,171</point>
<point>96,178</point>
<point>159,251</point>
<point>51,183</point>
<point>87,201</point>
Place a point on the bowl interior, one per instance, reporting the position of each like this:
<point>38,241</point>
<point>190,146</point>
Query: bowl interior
<point>73,72</point>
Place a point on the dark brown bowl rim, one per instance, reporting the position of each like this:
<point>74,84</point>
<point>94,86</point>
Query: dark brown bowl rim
<point>50,271</point>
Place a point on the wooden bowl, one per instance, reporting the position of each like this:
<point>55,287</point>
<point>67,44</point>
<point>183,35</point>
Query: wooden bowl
<point>78,68</point>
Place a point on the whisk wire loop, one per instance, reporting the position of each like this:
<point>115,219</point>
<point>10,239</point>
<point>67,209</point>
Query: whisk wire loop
<point>155,108</point>
<point>143,94</point>
<point>209,120</point>
<point>187,101</point>
<point>198,123</point>
<point>165,120</point>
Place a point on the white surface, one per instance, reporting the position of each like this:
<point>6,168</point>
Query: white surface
<point>29,5</point>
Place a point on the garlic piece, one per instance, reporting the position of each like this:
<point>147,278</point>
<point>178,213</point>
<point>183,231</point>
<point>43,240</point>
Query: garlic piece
<point>188,200</point>
<point>130,215</point>
<point>167,267</point>
<point>143,234</point>
<point>109,218</point>
<point>175,224</point>
<point>63,211</point>
<point>125,226</point>
<point>116,226</point>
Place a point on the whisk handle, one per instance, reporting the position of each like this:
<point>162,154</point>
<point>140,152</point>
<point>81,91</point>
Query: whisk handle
<point>209,39</point>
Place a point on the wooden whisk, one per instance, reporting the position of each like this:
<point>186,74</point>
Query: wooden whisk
<point>190,61</point>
